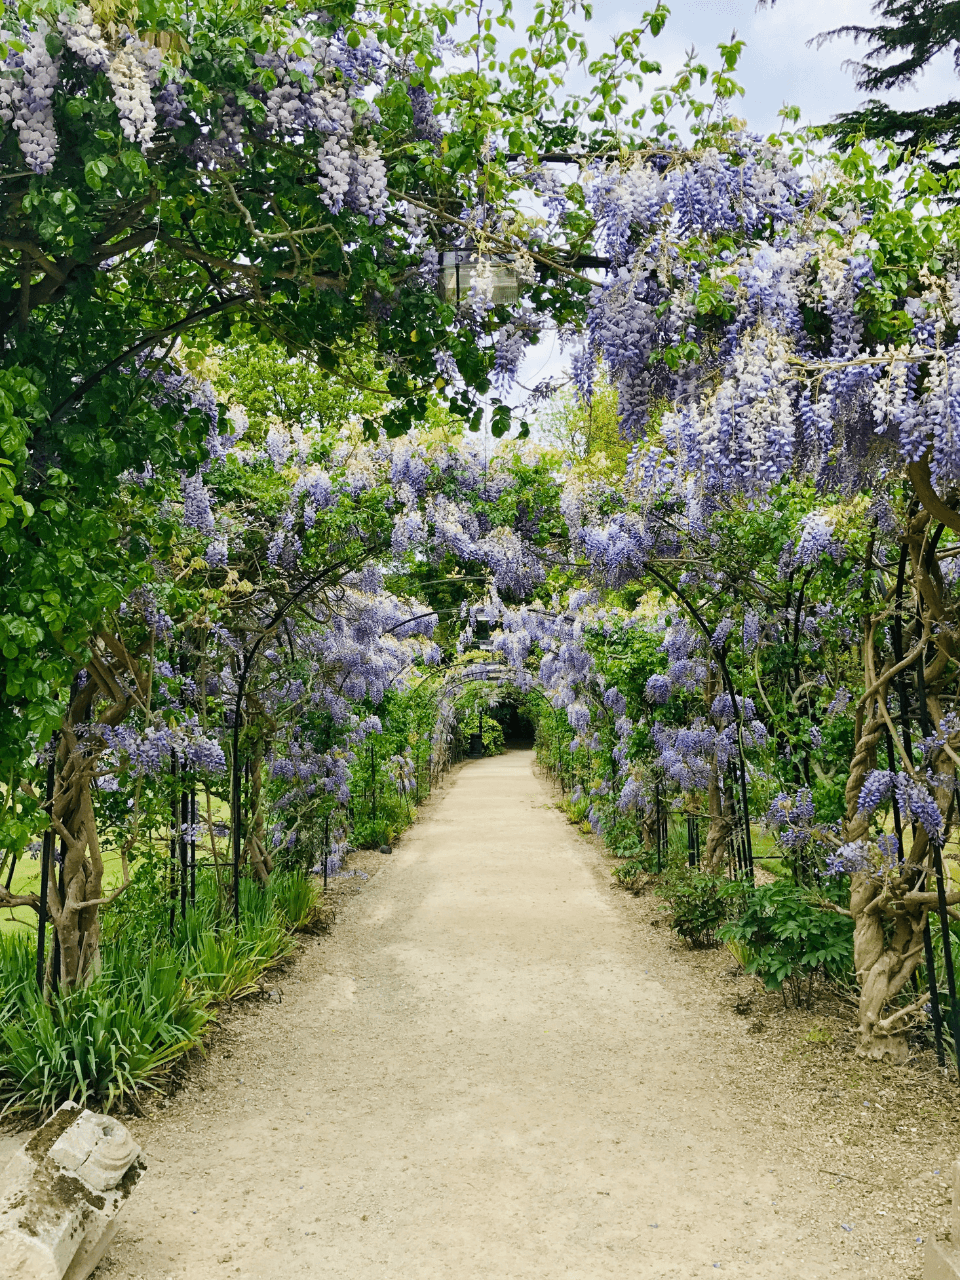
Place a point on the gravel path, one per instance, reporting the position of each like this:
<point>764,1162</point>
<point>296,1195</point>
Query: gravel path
<point>487,1069</point>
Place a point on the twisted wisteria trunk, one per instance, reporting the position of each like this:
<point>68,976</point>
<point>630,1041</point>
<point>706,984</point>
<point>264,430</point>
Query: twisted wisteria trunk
<point>885,964</point>
<point>75,894</point>
<point>719,827</point>
<point>255,849</point>
<point>74,912</point>
<point>649,829</point>
<point>890,909</point>
<point>75,879</point>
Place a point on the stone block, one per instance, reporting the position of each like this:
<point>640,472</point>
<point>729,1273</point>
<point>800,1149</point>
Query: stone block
<point>61,1193</point>
<point>941,1261</point>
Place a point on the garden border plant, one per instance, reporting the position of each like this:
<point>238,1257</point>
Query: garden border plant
<point>112,1042</point>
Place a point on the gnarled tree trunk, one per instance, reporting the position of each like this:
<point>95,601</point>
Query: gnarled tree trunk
<point>720,826</point>
<point>890,910</point>
<point>116,679</point>
<point>255,850</point>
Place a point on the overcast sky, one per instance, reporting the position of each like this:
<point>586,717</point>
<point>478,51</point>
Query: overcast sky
<point>777,66</point>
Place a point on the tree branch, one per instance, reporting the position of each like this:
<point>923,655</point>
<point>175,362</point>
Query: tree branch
<point>195,317</point>
<point>922,482</point>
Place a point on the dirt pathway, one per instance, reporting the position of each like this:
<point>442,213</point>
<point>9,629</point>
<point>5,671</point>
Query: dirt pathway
<point>481,1072</point>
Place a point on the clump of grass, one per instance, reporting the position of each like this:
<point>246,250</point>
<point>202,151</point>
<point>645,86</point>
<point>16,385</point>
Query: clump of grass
<point>221,967</point>
<point>99,1044</point>
<point>225,965</point>
<point>628,870</point>
<point>102,1045</point>
<point>577,810</point>
<point>297,899</point>
<point>819,1035</point>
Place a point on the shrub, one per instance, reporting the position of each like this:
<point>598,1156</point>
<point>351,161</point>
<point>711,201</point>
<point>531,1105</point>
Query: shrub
<point>698,904</point>
<point>626,844</point>
<point>633,873</point>
<point>577,810</point>
<point>493,743</point>
<point>140,915</point>
<point>392,817</point>
<point>791,937</point>
<point>629,869</point>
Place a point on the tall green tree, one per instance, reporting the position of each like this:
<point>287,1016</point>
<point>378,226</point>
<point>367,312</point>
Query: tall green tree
<point>898,50</point>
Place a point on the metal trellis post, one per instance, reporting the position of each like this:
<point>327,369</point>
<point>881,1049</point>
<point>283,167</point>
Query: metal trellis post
<point>174,840</point>
<point>184,851</point>
<point>46,856</point>
<point>193,846</point>
<point>947,947</point>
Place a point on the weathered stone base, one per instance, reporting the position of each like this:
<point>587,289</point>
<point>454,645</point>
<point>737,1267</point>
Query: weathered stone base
<point>61,1193</point>
<point>940,1262</point>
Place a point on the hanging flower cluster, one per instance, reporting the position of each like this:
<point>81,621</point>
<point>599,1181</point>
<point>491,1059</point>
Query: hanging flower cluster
<point>318,85</point>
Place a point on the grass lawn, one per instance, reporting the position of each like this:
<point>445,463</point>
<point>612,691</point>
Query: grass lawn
<point>26,879</point>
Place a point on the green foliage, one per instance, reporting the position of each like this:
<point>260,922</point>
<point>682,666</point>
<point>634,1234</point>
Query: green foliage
<point>380,809</point>
<point>140,915</point>
<point>111,260</point>
<point>623,836</point>
<point>899,49</point>
<point>99,1044</point>
<point>925,1031</point>
<point>315,318</point>
<point>624,839</point>
<point>296,899</point>
<point>491,735</point>
<point>698,904</point>
<point>628,870</point>
<point>629,656</point>
<point>274,386</point>
<point>791,936</point>
<point>223,966</point>
<point>577,810</point>
<point>370,832</point>
<point>829,799</point>
<point>586,432</point>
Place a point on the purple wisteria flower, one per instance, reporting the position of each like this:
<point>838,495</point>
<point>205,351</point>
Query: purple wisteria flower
<point>840,700</point>
<point>877,787</point>
<point>197,512</point>
<point>751,632</point>
<point>724,627</point>
<point>850,859</point>
<point>658,689</point>
<point>793,818</point>
<point>615,702</point>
